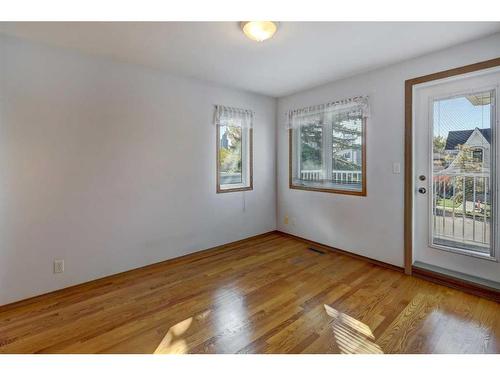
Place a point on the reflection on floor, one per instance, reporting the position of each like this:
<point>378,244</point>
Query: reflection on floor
<point>265,295</point>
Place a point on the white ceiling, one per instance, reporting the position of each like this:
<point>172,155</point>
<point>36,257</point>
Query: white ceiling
<point>300,56</point>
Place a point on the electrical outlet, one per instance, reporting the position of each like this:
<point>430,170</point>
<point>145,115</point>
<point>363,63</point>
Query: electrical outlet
<point>58,266</point>
<point>285,220</point>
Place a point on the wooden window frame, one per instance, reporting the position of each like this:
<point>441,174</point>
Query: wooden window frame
<point>362,192</point>
<point>250,164</point>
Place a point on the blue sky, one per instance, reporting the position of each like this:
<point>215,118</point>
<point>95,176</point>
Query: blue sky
<point>459,114</point>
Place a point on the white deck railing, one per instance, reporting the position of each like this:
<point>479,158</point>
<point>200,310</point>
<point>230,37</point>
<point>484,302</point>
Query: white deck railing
<point>313,175</point>
<point>461,208</point>
<point>346,177</point>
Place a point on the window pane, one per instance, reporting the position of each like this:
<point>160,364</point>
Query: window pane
<point>347,151</point>
<point>461,173</point>
<point>311,152</point>
<point>230,155</point>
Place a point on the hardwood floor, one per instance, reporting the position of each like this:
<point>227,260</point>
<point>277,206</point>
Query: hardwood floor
<point>269,294</point>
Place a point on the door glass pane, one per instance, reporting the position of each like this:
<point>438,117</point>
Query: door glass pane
<point>230,155</point>
<point>462,145</point>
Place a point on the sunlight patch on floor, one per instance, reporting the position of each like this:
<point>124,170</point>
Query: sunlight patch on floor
<point>351,335</point>
<point>175,342</point>
<point>172,343</point>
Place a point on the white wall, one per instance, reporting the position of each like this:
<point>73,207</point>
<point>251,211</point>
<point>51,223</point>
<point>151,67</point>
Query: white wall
<point>371,226</point>
<point>111,166</point>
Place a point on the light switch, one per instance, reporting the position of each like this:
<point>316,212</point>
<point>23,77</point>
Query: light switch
<point>396,168</point>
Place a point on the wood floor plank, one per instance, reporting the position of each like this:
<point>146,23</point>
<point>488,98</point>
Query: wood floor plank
<point>268,294</point>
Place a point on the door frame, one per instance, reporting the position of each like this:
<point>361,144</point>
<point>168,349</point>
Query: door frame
<point>408,179</point>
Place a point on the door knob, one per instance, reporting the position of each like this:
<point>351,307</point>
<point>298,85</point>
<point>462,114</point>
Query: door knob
<point>422,190</point>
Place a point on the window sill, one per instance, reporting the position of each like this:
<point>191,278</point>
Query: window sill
<point>233,188</point>
<point>330,187</point>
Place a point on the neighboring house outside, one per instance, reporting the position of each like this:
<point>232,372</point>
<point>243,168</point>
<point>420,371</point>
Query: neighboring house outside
<point>350,155</point>
<point>476,142</point>
<point>464,165</point>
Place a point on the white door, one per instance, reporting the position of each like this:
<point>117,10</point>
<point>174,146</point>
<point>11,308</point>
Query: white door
<point>455,180</point>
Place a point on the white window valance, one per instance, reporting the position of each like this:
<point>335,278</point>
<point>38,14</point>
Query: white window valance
<point>356,106</point>
<point>229,116</point>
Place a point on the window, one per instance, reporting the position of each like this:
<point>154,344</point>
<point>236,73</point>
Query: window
<point>234,149</point>
<point>477,155</point>
<point>327,147</point>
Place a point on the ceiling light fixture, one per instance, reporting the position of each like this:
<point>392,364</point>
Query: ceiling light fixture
<point>259,30</point>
